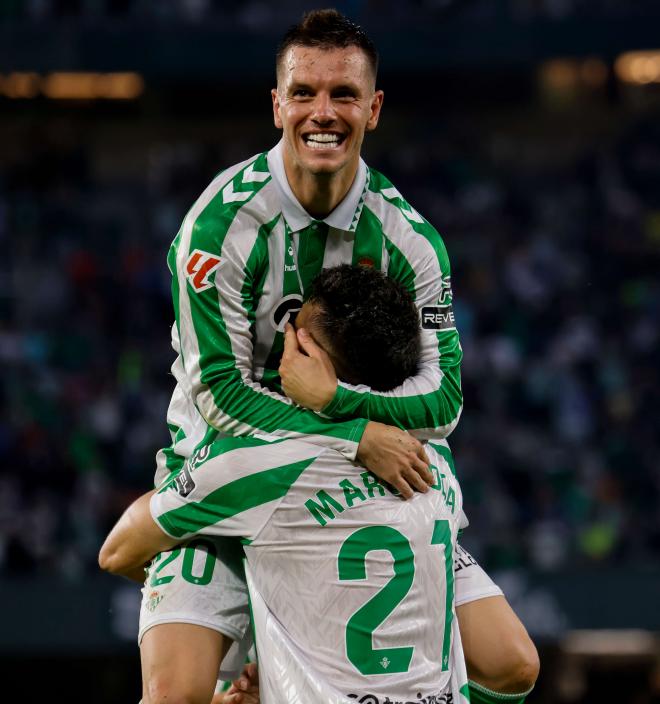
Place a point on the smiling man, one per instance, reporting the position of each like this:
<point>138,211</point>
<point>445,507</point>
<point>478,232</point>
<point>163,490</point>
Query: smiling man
<point>324,103</point>
<point>241,263</point>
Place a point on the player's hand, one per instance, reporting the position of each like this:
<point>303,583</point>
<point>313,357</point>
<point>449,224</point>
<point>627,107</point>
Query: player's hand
<point>244,690</point>
<point>307,374</point>
<point>396,457</point>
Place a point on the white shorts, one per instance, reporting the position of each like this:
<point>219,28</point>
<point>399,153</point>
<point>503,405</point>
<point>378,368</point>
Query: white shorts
<point>201,582</point>
<point>471,581</point>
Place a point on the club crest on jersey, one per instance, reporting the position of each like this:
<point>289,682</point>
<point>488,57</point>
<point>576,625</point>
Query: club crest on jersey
<point>199,267</point>
<point>285,310</point>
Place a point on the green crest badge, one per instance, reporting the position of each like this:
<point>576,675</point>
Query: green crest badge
<point>154,599</point>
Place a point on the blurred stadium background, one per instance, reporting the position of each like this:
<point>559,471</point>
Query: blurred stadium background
<point>527,131</point>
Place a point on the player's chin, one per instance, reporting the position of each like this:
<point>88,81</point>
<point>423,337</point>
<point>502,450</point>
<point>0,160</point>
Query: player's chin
<point>320,167</point>
<point>325,161</point>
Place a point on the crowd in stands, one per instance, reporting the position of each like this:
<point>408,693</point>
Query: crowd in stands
<point>259,15</point>
<point>555,254</point>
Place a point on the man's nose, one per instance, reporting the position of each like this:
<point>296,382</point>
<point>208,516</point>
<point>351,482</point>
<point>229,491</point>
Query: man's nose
<point>323,111</point>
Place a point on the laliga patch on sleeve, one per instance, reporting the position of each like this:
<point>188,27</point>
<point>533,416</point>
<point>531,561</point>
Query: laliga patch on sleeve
<point>199,267</point>
<point>184,482</point>
<point>438,318</point>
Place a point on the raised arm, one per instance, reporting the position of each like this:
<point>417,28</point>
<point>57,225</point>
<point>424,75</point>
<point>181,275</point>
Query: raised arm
<point>428,404</point>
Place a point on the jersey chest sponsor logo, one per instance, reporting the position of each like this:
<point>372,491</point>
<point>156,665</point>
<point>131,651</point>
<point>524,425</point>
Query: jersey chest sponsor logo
<point>199,267</point>
<point>438,318</point>
<point>285,310</point>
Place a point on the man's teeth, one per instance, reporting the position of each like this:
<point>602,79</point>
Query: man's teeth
<point>322,141</point>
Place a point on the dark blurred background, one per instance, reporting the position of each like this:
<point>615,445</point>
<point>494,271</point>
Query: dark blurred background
<point>526,131</point>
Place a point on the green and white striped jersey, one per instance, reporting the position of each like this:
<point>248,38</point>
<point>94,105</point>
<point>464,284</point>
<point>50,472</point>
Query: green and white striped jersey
<point>352,588</point>
<point>244,256</point>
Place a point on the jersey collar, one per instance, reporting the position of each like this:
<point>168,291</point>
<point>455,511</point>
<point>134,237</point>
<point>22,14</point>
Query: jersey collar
<point>344,217</point>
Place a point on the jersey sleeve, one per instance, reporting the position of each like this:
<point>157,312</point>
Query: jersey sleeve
<point>231,487</point>
<point>428,404</point>
<point>213,263</point>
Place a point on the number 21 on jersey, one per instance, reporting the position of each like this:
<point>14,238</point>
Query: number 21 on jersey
<point>351,564</point>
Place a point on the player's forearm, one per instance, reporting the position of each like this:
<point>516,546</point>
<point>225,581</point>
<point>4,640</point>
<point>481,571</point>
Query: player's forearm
<point>238,408</point>
<point>133,541</point>
<point>437,412</point>
<point>437,408</point>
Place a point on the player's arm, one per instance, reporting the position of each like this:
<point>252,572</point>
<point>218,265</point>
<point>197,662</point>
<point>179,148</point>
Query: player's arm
<point>163,518</point>
<point>133,542</point>
<point>428,404</point>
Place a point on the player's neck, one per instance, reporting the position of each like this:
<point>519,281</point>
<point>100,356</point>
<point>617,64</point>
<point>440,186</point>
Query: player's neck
<point>319,194</point>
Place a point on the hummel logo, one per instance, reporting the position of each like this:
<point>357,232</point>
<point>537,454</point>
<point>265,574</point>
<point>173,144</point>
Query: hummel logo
<point>199,267</point>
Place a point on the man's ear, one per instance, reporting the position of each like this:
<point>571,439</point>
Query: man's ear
<point>376,105</point>
<point>276,108</point>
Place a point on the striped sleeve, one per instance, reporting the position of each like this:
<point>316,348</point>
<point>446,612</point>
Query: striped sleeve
<point>218,267</point>
<point>428,404</point>
<point>230,487</point>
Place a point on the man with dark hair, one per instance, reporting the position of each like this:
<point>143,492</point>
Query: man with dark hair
<point>327,29</point>
<point>367,323</point>
<point>242,261</point>
<point>323,535</point>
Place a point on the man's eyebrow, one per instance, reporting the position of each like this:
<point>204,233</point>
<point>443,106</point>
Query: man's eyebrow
<point>297,85</point>
<point>343,87</point>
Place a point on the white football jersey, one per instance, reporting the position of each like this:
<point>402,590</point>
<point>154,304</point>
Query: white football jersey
<point>353,588</point>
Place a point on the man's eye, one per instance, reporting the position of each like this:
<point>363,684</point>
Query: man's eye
<point>301,93</point>
<point>344,95</point>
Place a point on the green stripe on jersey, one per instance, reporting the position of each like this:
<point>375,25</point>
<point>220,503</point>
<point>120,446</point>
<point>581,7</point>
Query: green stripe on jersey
<point>445,452</point>
<point>368,247</point>
<point>311,248</point>
<point>173,461</point>
<point>212,224</point>
<point>171,264</point>
<point>406,412</point>
<point>308,263</point>
<point>399,268</point>
<point>256,271</point>
<point>232,498</point>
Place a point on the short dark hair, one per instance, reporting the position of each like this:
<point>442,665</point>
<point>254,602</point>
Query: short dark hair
<point>327,29</point>
<point>370,323</point>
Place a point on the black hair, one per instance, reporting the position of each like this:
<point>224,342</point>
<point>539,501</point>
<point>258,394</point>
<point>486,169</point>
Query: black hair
<point>370,323</point>
<point>327,29</point>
